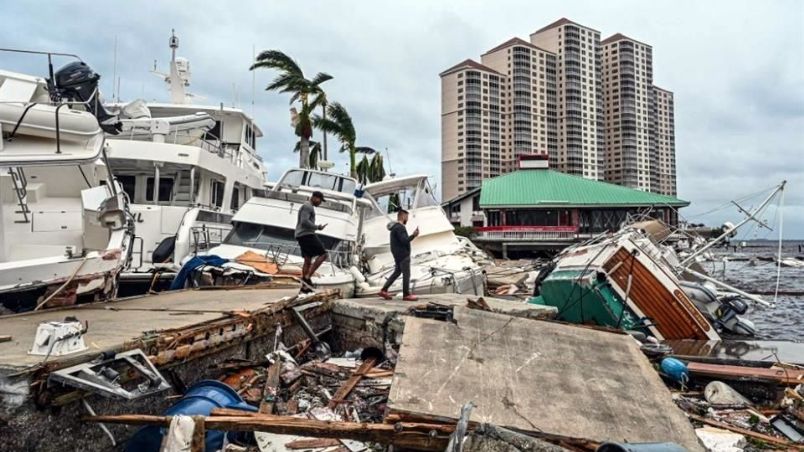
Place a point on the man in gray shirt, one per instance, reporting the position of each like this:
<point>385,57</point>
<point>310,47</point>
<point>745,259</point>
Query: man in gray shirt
<point>311,247</point>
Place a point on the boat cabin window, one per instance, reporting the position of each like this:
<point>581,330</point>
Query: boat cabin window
<point>235,204</point>
<point>165,189</point>
<point>217,193</point>
<point>271,238</point>
<point>315,179</point>
<point>251,138</point>
<point>214,133</point>
<point>129,184</point>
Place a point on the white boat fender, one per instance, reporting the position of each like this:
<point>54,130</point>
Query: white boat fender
<point>359,277</point>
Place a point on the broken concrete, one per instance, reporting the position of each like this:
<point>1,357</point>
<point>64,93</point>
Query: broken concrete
<point>535,376</point>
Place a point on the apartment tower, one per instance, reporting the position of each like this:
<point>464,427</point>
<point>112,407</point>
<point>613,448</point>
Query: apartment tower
<point>580,96</point>
<point>628,86</point>
<point>471,127</point>
<point>590,105</point>
<point>665,141</point>
<point>528,99</point>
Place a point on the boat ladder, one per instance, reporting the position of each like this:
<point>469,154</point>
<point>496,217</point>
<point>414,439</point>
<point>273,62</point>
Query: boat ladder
<point>20,184</point>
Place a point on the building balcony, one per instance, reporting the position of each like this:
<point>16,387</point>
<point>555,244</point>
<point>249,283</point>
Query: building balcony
<point>526,233</point>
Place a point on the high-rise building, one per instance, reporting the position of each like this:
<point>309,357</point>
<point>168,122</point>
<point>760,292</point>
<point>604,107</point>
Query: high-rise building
<point>471,127</point>
<point>528,101</point>
<point>590,105</point>
<point>628,86</point>
<point>664,136</point>
<point>580,96</point>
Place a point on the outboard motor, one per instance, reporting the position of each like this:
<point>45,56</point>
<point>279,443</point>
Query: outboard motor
<point>729,312</point>
<point>77,82</point>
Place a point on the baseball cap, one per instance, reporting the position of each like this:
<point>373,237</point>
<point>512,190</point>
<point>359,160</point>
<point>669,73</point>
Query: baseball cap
<point>319,195</point>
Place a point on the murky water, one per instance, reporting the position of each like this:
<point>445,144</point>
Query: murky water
<point>746,270</point>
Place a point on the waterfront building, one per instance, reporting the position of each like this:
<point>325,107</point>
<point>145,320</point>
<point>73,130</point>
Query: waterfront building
<point>665,141</point>
<point>536,207</point>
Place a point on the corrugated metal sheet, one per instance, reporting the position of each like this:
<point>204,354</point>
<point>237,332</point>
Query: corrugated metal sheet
<point>544,187</point>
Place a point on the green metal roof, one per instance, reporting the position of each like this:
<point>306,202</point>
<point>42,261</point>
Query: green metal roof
<point>548,188</point>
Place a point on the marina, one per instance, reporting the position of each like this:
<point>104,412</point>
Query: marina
<point>165,286</point>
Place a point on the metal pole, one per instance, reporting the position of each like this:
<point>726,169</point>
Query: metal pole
<point>712,243</point>
<point>156,184</point>
<point>730,288</point>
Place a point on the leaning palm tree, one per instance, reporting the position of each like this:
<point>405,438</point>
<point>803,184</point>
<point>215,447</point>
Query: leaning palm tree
<point>370,170</point>
<point>340,124</point>
<point>308,93</point>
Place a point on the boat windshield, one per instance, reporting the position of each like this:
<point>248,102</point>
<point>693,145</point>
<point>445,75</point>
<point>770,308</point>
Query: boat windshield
<point>405,197</point>
<point>271,238</point>
<point>316,179</point>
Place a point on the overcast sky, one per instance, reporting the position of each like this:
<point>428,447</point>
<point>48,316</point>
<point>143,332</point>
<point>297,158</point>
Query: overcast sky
<point>737,70</point>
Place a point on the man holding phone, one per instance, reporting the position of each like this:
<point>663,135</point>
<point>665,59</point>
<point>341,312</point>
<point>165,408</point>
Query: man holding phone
<point>400,248</point>
<point>309,243</point>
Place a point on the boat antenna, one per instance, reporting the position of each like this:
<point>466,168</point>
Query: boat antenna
<point>390,169</point>
<point>779,253</point>
<point>115,81</point>
<point>750,216</point>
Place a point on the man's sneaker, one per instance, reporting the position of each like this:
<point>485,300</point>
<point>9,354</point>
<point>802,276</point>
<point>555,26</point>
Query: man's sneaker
<point>410,297</point>
<point>384,294</point>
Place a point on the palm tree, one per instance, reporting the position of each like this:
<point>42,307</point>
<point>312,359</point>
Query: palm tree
<point>315,153</point>
<point>308,93</point>
<point>340,124</point>
<point>370,170</point>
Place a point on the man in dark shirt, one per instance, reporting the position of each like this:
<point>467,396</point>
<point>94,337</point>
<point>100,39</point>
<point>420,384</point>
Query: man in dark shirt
<point>311,247</point>
<point>400,248</point>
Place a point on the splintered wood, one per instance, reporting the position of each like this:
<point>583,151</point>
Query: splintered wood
<point>350,384</point>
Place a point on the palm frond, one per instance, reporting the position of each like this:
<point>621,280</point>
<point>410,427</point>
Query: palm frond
<point>320,78</point>
<point>275,59</point>
<point>284,82</point>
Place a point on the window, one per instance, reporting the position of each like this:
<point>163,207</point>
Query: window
<point>129,185</point>
<point>235,203</point>
<point>165,189</point>
<point>217,193</point>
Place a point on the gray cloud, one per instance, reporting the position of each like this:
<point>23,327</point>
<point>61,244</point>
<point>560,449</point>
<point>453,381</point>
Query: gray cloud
<point>736,67</point>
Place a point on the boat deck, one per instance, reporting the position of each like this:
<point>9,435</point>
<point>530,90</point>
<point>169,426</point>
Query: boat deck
<point>112,324</point>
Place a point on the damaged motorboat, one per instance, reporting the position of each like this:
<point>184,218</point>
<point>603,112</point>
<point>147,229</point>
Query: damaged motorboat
<point>65,228</point>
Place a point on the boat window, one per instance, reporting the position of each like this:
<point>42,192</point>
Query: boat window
<point>214,133</point>
<point>165,189</point>
<point>271,238</point>
<point>426,197</point>
<point>129,183</point>
<point>322,181</point>
<point>325,181</point>
<point>293,178</point>
<point>235,204</point>
<point>217,193</point>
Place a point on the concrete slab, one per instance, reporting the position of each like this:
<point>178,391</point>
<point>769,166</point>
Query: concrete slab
<point>379,308</point>
<point>113,323</point>
<point>535,375</point>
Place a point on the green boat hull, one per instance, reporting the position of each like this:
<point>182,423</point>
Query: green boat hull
<point>585,299</point>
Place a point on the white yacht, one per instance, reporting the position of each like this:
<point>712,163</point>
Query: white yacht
<point>64,229</point>
<point>186,168</point>
<point>264,228</point>
<point>440,261</point>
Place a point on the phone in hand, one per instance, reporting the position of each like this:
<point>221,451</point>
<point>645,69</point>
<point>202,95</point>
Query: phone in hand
<point>320,227</point>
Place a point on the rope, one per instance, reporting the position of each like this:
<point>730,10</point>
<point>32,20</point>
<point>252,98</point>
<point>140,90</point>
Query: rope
<point>75,272</point>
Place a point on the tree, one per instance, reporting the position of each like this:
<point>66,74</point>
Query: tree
<point>315,153</point>
<point>340,124</point>
<point>371,170</point>
<point>308,93</point>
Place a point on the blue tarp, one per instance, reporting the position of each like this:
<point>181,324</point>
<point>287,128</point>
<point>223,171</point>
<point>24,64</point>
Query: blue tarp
<point>197,261</point>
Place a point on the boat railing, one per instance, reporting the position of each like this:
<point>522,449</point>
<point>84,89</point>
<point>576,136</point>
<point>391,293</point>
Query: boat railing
<point>527,233</point>
<point>280,253</point>
<point>205,237</point>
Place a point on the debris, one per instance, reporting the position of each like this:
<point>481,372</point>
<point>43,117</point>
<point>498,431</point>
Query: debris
<point>59,338</point>
<point>349,385</point>
<point>106,374</point>
<point>787,427</point>
<point>721,395</point>
<point>746,432</point>
<point>480,304</point>
<point>312,443</point>
<point>720,440</point>
<point>5,338</point>
<point>773,374</point>
<point>676,370</point>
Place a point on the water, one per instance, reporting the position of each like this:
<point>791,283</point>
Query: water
<point>745,270</point>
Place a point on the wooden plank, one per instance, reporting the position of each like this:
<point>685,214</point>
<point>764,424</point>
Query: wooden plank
<point>742,431</point>
<point>404,435</point>
<point>534,376</point>
<point>197,444</point>
<point>317,443</point>
<point>773,374</point>
<point>271,389</point>
<point>343,392</point>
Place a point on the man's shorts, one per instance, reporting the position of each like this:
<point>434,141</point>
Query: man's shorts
<point>310,246</point>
